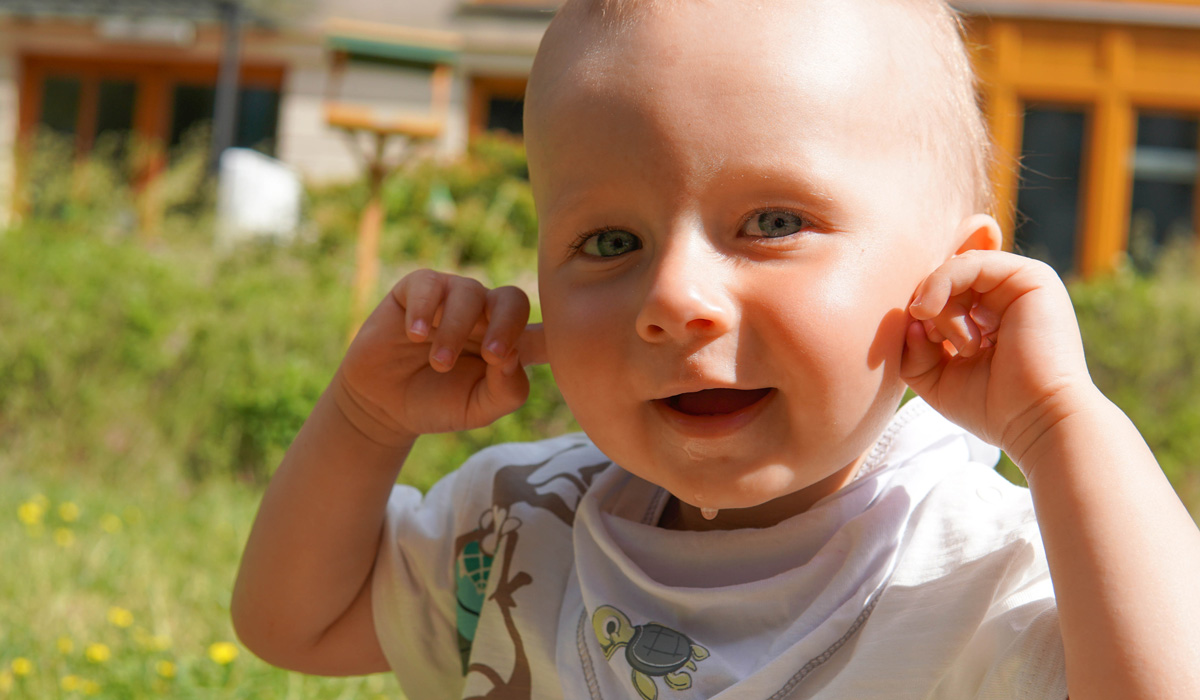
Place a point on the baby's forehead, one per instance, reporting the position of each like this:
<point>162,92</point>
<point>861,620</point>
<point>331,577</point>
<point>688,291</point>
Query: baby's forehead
<point>891,56</point>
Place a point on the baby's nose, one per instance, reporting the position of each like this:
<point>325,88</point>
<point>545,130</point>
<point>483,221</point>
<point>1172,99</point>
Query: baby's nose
<point>687,297</point>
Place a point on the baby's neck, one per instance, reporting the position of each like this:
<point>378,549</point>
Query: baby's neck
<point>678,515</point>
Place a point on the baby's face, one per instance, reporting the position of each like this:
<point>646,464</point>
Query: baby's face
<point>733,222</point>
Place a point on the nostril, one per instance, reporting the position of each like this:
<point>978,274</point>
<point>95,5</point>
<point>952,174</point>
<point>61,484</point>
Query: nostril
<point>699,324</point>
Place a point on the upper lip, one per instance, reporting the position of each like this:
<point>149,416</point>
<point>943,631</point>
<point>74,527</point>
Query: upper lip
<point>695,388</point>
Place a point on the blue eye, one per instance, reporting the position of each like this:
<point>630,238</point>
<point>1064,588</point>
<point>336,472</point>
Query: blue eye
<point>609,244</point>
<point>774,223</point>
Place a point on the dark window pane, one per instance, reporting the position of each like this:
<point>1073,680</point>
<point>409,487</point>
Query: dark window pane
<point>115,110</point>
<point>258,116</point>
<point>1048,199</point>
<point>191,107</point>
<point>1164,184</point>
<point>60,105</point>
<point>505,114</point>
<point>114,117</point>
<point>257,121</point>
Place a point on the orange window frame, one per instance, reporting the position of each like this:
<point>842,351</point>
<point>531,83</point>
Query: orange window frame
<point>155,83</point>
<point>1112,72</point>
<point>482,90</point>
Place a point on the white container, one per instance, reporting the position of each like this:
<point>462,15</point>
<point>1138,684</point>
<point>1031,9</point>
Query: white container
<point>257,197</point>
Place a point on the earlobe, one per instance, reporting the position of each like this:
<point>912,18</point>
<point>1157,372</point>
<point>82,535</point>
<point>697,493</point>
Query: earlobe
<point>978,232</point>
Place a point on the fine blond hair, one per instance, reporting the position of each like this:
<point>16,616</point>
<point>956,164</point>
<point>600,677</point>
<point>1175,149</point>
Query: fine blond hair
<point>948,119</point>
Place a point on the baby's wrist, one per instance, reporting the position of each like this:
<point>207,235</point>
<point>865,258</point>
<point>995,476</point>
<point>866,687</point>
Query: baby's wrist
<point>362,420</point>
<point>1041,431</point>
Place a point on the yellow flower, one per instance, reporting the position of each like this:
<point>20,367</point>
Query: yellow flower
<point>70,683</point>
<point>120,617</point>
<point>31,512</point>
<point>21,666</point>
<point>63,537</point>
<point>6,681</point>
<point>65,645</point>
<point>222,652</point>
<point>98,653</point>
<point>68,511</point>
<point>166,669</point>
<point>91,688</point>
<point>110,523</point>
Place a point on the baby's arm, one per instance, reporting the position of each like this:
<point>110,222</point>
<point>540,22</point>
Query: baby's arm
<point>1124,553</point>
<point>440,353</point>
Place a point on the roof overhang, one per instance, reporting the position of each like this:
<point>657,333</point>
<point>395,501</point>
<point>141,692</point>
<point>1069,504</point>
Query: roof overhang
<point>1094,11</point>
<point>371,41</point>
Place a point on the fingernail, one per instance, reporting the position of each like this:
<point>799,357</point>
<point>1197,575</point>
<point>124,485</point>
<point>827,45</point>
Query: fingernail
<point>916,301</point>
<point>443,356</point>
<point>497,348</point>
<point>419,328</point>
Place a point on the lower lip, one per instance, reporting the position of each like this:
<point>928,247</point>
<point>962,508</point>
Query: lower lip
<point>712,426</point>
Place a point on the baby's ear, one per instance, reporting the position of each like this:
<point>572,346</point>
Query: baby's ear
<point>978,232</point>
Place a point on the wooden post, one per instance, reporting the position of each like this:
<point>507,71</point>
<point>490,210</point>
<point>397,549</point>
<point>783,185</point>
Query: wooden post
<point>1112,138</point>
<point>1005,122</point>
<point>366,258</point>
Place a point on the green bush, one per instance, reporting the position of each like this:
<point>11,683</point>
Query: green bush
<point>1142,337</point>
<point>167,359</point>
<point>475,214</point>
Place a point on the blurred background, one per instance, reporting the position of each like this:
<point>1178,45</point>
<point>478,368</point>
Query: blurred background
<point>200,199</point>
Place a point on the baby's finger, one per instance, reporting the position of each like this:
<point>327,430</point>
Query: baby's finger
<point>955,324</point>
<point>532,345</point>
<point>984,272</point>
<point>420,294</point>
<point>461,311</point>
<point>502,390</point>
<point>922,356</point>
<point>507,311</point>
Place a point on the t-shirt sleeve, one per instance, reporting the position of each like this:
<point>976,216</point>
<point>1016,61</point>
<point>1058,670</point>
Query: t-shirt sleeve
<point>413,585</point>
<point>1019,642</point>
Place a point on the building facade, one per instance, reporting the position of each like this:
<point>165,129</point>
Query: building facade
<point>1094,104</point>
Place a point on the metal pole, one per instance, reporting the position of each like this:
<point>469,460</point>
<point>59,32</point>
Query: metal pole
<point>226,107</point>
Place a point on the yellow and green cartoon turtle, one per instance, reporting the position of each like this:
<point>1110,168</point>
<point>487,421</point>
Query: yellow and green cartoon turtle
<point>652,650</point>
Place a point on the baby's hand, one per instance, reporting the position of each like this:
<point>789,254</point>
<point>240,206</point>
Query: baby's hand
<point>441,353</point>
<point>995,347</point>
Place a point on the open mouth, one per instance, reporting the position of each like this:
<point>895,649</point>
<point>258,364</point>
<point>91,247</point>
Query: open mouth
<point>715,402</point>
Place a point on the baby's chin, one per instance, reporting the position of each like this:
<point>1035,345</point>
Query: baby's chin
<point>764,496</point>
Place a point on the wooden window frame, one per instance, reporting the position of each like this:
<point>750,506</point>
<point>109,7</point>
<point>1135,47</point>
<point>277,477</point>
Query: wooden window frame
<point>485,87</point>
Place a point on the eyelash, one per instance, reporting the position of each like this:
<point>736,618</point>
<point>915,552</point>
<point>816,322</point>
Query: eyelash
<point>582,239</point>
<point>807,221</point>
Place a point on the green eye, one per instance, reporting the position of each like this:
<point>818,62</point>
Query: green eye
<point>609,244</point>
<point>775,223</point>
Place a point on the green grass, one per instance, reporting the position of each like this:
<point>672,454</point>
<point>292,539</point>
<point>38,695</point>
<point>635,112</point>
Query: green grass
<point>148,389</point>
<point>122,591</point>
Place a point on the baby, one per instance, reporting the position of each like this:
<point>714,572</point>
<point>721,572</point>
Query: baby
<point>759,222</point>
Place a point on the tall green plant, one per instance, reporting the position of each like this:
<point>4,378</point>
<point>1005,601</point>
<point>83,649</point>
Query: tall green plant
<point>1142,336</point>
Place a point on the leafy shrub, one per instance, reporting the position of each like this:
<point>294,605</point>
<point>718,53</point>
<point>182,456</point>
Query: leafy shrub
<point>473,214</point>
<point>1142,337</point>
<point>170,359</point>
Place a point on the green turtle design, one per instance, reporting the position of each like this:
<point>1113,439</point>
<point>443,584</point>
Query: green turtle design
<point>652,650</point>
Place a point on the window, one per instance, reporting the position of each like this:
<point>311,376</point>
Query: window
<point>1047,221</point>
<point>60,105</point>
<point>497,104</point>
<point>1163,206</point>
<point>101,103</point>
<point>258,112</point>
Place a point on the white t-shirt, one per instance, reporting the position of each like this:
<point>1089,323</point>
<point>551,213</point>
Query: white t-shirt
<point>541,565</point>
